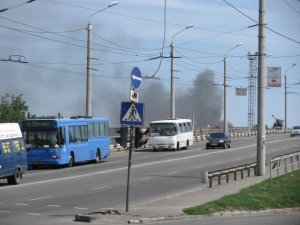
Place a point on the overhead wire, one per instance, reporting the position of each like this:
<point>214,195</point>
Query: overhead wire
<point>276,32</point>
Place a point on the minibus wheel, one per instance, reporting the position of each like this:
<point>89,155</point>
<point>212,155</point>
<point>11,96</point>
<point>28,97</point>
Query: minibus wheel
<point>16,178</point>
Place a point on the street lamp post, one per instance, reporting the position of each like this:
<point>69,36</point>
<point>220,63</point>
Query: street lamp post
<point>172,97</point>
<point>285,96</point>
<point>89,63</point>
<point>225,85</point>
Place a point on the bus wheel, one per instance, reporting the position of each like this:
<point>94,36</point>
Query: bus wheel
<point>71,160</point>
<point>187,145</point>
<point>177,147</point>
<point>98,157</point>
<point>16,178</point>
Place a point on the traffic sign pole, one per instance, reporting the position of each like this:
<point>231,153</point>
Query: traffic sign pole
<point>129,167</point>
<point>132,114</point>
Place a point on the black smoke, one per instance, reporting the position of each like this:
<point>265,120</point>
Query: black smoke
<point>202,99</point>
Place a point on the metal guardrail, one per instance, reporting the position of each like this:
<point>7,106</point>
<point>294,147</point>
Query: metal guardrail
<point>208,176</point>
<point>200,134</point>
<point>284,164</point>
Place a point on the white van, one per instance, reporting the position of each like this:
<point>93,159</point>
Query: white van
<point>13,162</point>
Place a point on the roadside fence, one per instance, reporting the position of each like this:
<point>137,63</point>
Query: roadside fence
<point>209,176</point>
<point>284,164</point>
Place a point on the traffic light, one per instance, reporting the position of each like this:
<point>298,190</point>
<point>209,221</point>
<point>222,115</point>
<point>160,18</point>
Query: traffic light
<point>123,136</point>
<point>140,137</point>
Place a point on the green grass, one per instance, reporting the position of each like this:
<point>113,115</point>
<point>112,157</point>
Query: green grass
<point>282,192</point>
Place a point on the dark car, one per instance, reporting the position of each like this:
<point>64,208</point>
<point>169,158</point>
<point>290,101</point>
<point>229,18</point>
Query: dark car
<point>218,139</point>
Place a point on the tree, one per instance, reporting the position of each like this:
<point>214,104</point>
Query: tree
<point>12,108</point>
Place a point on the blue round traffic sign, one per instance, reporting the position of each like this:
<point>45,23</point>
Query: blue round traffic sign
<point>136,78</point>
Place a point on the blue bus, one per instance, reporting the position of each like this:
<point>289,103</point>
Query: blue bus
<point>65,141</point>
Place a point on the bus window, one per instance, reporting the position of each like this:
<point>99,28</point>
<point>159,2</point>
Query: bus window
<point>102,129</point>
<point>91,130</point>
<point>61,135</point>
<point>97,129</point>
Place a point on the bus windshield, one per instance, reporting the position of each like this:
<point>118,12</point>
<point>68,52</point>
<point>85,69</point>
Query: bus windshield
<point>162,129</point>
<point>42,138</point>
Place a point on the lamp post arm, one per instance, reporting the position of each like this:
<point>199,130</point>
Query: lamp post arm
<point>110,5</point>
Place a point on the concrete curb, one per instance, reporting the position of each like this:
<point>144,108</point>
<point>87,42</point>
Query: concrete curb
<point>284,211</point>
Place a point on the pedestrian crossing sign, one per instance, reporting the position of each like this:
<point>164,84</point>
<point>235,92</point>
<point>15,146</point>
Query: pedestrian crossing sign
<point>132,114</point>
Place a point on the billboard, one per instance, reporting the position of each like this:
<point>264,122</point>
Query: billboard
<point>274,77</point>
<point>241,91</point>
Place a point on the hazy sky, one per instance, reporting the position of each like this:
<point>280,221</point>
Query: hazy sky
<point>51,36</point>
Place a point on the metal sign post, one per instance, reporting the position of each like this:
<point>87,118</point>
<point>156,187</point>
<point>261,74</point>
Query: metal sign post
<point>132,114</point>
<point>129,167</point>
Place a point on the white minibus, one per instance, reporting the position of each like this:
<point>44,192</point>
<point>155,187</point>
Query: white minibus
<point>172,134</point>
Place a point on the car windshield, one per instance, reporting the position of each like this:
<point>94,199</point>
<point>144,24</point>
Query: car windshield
<point>44,138</point>
<point>296,127</point>
<point>162,129</point>
<point>217,135</point>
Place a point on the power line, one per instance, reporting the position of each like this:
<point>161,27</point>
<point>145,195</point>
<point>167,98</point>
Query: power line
<point>244,14</point>
<point>15,6</point>
<point>285,1</point>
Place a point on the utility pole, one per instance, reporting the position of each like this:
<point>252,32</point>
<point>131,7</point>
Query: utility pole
<point>225,85</point>
<point>172,105</point>
<point>261,139</point>
<point>88,107</point>
<point>285,96</point>
<point>225,97</point>
<point>89,72</point>
<point>172,97</point>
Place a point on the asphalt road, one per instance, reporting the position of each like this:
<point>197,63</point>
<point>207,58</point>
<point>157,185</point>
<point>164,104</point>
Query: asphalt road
<point>52,195</point>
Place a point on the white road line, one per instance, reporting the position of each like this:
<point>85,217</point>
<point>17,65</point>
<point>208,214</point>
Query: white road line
<point>173,172</point>
<point>145,178</point>
<point>55,206</point>
<point>3,211</point>
<point>39,198</point>
<point>195,167</point>
<point>21,204</point>
<point>98,188</point>
<point>33,214</point>
<point>80,208</point>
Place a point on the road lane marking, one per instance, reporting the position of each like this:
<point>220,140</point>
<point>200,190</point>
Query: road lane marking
<point>98,188</point>
<point>195,167</point>
<point>173,172</point>
<point>22,204</point>
<point>135,166</point>
<point>80,208</point>
<point>55,206</point>
<point>33,214</point>
<point>3,211</point>
<point>145,178</point>
<point>40,198</point>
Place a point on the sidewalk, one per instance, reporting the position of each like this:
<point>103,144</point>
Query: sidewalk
<point>170,207</point>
